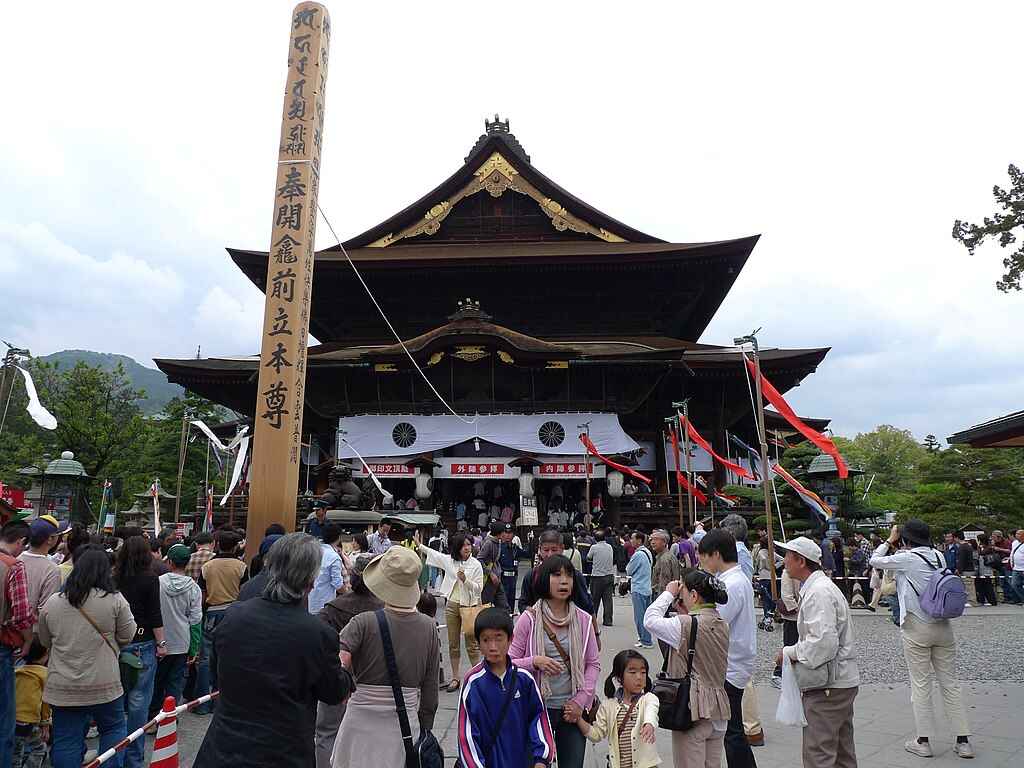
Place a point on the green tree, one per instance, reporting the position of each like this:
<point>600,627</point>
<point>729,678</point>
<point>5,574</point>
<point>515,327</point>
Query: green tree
<point>892,455</point>
<point>985,485</point>
<point>1001,225</point>
<point>97,411</point>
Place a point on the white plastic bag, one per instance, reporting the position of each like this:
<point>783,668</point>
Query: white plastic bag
<point>791,705</point>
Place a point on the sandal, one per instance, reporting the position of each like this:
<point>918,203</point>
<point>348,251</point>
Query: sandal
<point>452,686</point>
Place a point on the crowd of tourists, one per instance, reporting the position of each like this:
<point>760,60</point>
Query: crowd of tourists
<point>326,655</point>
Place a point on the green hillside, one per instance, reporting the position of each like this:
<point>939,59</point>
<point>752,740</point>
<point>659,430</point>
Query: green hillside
<point>158,390</point>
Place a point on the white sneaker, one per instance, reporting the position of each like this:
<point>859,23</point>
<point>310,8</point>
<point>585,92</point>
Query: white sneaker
<point>915,747</point>
<point>638,644</point>
<point>646,645</point>
<point>964,750</point>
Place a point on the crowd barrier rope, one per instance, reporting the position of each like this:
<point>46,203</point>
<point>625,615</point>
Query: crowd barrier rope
<point>165,750</point>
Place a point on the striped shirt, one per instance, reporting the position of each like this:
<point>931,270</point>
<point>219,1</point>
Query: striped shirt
<point>625,727</point>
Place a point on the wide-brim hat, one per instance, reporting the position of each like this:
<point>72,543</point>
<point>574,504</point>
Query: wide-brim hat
<point>916,531</point>
<point>394,577</point>
<point>802,546</point>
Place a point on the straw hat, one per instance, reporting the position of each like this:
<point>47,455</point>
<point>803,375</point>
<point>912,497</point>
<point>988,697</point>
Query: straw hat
<point>394,577</point>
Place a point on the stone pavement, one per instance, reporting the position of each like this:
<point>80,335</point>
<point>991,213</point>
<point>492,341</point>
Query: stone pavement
<point>883,719</point>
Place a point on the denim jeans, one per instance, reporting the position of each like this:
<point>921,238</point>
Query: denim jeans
<point>1017,587</point>
<point>206,667</point>
<point>137,701</point>
<point>170,681</point>
<point>570,743</point>
<point>765,588</point>
<point>71,723</point>
<point>6,705</point>
<point>29,747</point>
<point>640,605</point>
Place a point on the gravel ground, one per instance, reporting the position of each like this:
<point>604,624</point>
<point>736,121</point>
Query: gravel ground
<point>988,647</point>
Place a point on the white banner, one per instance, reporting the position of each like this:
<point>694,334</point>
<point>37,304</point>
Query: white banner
<point>700,460</point>
<point>35,409</point>
<point>540,433</point>
<point>236,472</point>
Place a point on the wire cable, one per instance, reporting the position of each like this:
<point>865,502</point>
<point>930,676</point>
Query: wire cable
<point>369,293</point>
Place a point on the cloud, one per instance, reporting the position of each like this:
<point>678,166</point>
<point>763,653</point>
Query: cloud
<point>851,141</point>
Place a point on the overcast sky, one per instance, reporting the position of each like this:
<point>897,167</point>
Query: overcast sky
<point>139,140</point>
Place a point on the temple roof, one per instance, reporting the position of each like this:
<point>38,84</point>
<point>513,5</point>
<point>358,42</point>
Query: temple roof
<point>1002,432</point>
<point>498,151</point>
<point>499,229</point>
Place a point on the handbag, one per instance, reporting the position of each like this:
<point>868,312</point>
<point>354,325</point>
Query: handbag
<point>468,616</point>
<point>129,665</point>
<point>674,692</point>
<point>815,678</point>
<point>425,752</point>
<point>591,713</point>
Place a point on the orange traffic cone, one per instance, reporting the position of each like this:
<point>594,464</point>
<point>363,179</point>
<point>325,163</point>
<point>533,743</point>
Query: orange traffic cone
<point>165,748</point>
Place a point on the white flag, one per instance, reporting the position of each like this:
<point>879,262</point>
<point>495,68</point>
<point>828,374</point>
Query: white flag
<point>215,440</point>
<point>35,409</point>
<point>154,491</point>
<point>236,472</point>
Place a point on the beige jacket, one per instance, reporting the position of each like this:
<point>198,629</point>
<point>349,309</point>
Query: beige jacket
<point>83,668</point>
<point>605,727</point>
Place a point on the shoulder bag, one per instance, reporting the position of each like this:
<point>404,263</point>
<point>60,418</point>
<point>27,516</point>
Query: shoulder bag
<point>591,713</point>
<point>129,665</point>
<point>674,692</point>
<point>425,752</point>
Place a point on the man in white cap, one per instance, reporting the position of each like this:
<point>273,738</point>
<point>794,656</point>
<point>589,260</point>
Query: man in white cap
<point>825,646</point>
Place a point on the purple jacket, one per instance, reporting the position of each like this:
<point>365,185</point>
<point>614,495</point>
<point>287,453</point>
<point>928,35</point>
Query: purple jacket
<point>522,653</point>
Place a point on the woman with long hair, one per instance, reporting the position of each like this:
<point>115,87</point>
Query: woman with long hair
<point>133,572</point>
<point>84,626</point>
<point>695,598</point>
<point>462,585</point>
<point>555,640</point>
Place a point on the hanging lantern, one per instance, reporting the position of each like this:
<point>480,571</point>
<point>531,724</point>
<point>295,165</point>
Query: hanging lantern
<point>614,480</point>
<point>424,485</point>
<point>526,484</point>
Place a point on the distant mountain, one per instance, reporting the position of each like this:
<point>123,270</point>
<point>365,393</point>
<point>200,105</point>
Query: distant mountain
<point>158,390</point>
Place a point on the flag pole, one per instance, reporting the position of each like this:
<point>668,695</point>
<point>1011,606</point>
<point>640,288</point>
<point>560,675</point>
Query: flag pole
<point>672,423</point>
<point>182,448</point>
<point>691,502</point>
<point>766,477</point>
<point>586,465</point>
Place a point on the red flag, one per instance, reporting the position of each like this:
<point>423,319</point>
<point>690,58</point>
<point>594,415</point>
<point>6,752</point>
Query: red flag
<point>699,440</point>
<point>680,477</point>
<point>592,450</point>
<point>771,394</point>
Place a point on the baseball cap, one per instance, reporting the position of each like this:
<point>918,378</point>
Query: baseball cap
<point>507,527</point>
<point>42,527</point>
<point>802,546</point>
<point>60,526</point>
<point>179,554</point>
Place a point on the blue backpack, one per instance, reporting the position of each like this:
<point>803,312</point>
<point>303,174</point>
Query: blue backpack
<point>944,596</point>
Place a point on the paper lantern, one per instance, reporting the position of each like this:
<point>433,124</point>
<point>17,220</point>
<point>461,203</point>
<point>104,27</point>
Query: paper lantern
<point>526,480</point>
<point>424,485</point>
<point>614,480</point>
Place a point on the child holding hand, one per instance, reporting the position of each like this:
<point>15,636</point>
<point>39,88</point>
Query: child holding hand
<point>628,716</point>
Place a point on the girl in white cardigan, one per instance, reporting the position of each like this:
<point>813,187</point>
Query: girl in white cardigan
<point>628,717</point>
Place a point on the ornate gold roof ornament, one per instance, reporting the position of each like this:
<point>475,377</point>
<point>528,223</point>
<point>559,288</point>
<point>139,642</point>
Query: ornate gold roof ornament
<point>384,368</point>
<point>505,357</point>
<point>470,354</point>
<point>496,175</point>
<point>435,358</point>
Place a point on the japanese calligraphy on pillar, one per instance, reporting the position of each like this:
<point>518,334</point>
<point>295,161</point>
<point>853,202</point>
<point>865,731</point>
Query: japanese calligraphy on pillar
<point>282,377</point>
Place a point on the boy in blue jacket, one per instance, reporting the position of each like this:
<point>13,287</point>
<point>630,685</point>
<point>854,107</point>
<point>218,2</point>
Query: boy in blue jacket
<point>502,720</point>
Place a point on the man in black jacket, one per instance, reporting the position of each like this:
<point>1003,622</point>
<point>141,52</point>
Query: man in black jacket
<point>275,662</point>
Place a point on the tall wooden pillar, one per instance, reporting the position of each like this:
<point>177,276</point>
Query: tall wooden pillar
<point>277,438</point>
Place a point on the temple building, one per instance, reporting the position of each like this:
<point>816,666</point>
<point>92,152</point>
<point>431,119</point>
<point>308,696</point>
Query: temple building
<point>537,318</point>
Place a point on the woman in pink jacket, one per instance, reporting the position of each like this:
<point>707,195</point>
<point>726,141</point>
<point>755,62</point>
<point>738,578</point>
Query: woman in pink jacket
<point>555,640</point>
